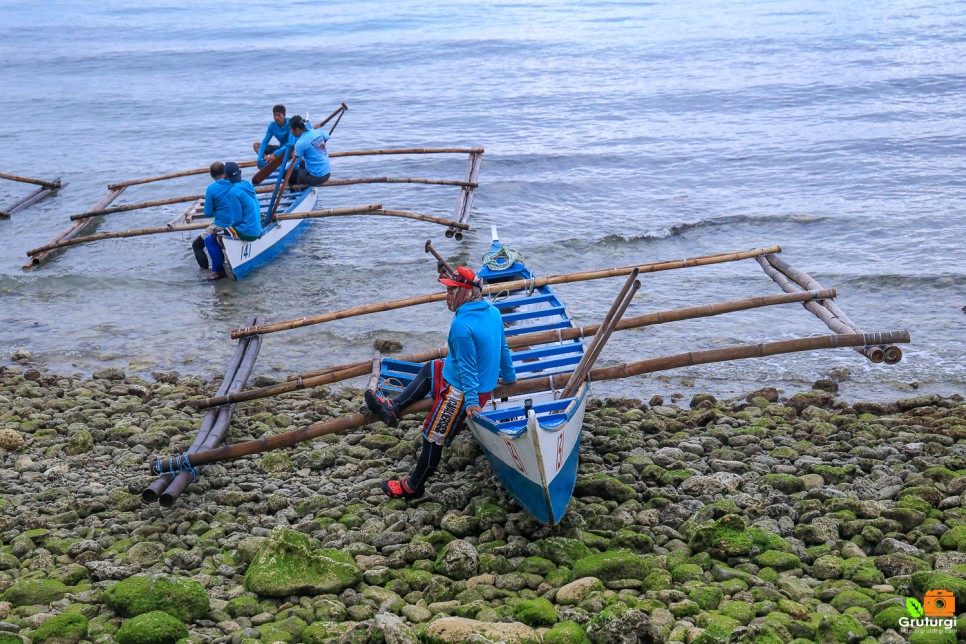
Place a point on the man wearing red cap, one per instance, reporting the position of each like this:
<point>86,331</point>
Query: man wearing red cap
<point>478,358</point>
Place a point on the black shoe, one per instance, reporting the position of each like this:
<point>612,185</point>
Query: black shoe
<point>384,408</point>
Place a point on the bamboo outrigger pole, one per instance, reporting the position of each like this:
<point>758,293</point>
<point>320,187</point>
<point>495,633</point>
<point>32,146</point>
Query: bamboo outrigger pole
<point>308,432</point>
<point>332,155</point>
<point>170,228</point>
<point>339,373</point>
<point>50,185</point>
<point>567,278</point>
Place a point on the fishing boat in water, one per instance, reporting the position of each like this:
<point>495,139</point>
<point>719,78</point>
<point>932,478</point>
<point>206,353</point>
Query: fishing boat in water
<point>286,210</point>
<point>532,440</point>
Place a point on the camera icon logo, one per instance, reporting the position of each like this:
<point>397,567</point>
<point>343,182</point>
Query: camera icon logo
<point>939,603</point>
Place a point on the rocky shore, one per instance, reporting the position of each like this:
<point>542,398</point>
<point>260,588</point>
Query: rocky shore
<point>769,518</point>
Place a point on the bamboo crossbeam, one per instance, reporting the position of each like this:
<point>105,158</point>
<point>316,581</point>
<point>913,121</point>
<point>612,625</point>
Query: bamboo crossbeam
<point>567,278</point>
<point>339,373</point>
<point>435,182</point>
<point>29,200</point>
<point>332,155</point>
<point>39,258</point>
<point>169,228</point>
<point>518,388</point>
<point>52,185</point>
<point>261,189</point>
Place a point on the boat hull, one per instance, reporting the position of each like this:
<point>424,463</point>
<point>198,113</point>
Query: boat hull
<point>242,257</point>
<point>539,466</point>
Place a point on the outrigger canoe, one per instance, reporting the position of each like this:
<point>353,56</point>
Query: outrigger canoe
<point>531,441</point>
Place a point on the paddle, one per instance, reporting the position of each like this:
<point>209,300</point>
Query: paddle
<point>276,161</point>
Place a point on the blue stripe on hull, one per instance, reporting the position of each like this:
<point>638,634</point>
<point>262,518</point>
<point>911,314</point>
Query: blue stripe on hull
<point>273,251</point>
<point>531,496</point>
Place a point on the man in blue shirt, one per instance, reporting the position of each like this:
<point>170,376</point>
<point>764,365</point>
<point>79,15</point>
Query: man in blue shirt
<point>277,129</point>
<point>216,205</point>
<point>313,165</point>
<point>478,358</point>
<point>241,219</point>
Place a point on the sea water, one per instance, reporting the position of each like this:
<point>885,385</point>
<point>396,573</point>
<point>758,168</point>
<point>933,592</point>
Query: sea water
<point>616,133</point>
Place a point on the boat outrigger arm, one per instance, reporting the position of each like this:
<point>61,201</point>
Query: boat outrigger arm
<point>530,430</point>
<point>87,220</point>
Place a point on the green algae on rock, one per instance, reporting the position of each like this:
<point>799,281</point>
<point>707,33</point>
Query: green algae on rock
<point>182,598</point>
<point>66,628</point>
<point>154,627</point>
<point>33,592</point>
<point>288,564</point>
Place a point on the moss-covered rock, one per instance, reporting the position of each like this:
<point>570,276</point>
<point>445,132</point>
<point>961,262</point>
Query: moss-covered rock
<point>778,560</point>
<point>608,566</point>
<point>729,537</point>
<point>923,581</point>
<point>604,486</point>
<point>288,565</point>
<point>460,629</point>
<point>535,612</point>
<point>839,629</point>
<point>33,592</point>
<point>66,628</point>
<point>155,627</point>
<point>562,551</point>
<point>185,599</point>
<point>566,633</point>
<point>784,482</point>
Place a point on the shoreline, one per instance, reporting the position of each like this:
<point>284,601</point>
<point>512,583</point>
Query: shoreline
<point>800,517</point>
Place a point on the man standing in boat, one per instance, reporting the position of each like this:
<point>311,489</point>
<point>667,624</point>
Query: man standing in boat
<point>216,205</point>
<point>478,358</point>
<point>309,148</point>
<point>242,219</point>
<point>277,129</point>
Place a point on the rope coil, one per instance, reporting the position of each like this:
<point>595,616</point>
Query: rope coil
<point>502,258</point>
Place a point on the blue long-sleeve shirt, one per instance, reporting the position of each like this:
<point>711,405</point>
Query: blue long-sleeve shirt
<point>282,135</point>
<point>216,202</point>
<point>245,211</point>
<point>311,147</point>
<point>478,352</point>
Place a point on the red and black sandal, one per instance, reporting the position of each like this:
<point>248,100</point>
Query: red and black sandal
<point>400,489</point>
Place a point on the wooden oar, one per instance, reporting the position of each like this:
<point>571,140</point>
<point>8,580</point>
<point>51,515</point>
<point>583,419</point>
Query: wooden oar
<point>309,432</point>
<point>53,185</point>
<point>280,190</point>
<point>309,214</point>
<point>567,278</point>
<point>339,373</point>
<point>439,258</point>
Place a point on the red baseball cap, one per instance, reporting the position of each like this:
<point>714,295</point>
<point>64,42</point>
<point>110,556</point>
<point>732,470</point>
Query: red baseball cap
<point>464,278</point>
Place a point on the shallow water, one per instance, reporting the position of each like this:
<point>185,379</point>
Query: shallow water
<point>616,133</point>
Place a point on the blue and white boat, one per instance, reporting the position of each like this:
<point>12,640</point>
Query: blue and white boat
<point>531,441</point>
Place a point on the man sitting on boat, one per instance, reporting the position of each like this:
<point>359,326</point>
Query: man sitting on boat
<point>309,148</point>
<point>216,205</point>
<point>277,129</point>
<point>478,358</point>
<point>242,219</point>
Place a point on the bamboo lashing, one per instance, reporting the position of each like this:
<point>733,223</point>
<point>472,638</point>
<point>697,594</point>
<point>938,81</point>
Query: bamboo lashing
<point>592,352</point>
<point>50,185</point>
<point>169,228</point>
<point>567,278</point>
<point>72,231</point>
<point>338,373</point>
<point>332,155</point>
<point>309,432</point>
